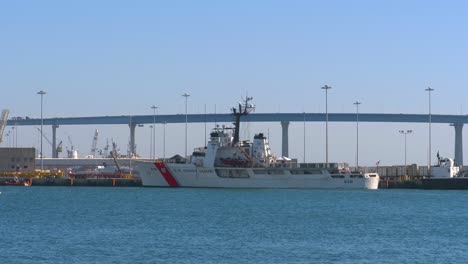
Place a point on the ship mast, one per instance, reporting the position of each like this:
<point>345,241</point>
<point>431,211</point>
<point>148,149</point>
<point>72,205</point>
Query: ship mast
<point>244,109</point>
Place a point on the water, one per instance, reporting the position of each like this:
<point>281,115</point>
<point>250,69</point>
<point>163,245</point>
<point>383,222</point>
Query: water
<point>157,225</point>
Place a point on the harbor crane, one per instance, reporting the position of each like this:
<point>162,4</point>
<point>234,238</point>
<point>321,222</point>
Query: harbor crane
<point>3,122</point>
<point>105,151</point>
<point>114,156</point>
<point>94,144</point>
<point>59,146</point>
<point>72,153</point>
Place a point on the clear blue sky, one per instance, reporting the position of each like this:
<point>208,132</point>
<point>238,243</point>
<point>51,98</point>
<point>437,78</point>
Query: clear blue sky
<point>121,57</point>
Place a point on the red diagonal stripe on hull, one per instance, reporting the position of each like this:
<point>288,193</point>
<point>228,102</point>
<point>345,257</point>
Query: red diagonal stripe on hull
<point>166,174</point>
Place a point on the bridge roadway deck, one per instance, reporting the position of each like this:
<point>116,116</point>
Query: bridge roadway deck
<point>254,117</point>
<point>457,120</point>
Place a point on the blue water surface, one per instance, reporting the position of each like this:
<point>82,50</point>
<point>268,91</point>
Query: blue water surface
<point>162,225</point>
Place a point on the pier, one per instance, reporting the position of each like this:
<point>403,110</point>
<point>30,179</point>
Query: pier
<point>53,181</point>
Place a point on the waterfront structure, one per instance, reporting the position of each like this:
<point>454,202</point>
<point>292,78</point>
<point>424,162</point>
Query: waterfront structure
<point>18,159</point>
<point>456,120</point>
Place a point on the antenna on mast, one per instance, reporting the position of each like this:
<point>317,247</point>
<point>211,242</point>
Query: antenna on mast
<point>245,108</point>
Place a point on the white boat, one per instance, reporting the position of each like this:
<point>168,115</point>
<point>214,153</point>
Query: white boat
<point>446,176</point>
<point>228,163</point>
<point>445,169</point>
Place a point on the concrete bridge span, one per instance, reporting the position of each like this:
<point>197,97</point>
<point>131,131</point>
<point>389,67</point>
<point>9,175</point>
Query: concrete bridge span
<point>457,121</point>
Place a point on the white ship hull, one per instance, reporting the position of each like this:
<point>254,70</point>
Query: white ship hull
<point>188,175</point>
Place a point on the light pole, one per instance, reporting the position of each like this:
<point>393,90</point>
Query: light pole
<point>186,95</point>
<point>151,141</point>
<point>303,160</point>
<point>326,88</point>
<point>14,135</point>
<point>357,134</point>
<point>205,125</point>
<point>42,93</point>
<point>164,140</point>
<point>429,90</point>
<point>405,132</point>
<point>153,132</point>
<point>8,138</point>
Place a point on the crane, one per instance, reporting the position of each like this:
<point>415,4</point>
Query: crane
<point>94,143</point>
<point>59,146</point>
<point>106,148</point>
<point>104,152</point>
<point>72,153</point>
<point>3,122</point>
<point>114,156</point>
<point>115,149</point>
<point>44,136</point>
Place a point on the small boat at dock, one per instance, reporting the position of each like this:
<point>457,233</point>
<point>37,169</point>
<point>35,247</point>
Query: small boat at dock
<point>446,176</point>
<point>16,182</point>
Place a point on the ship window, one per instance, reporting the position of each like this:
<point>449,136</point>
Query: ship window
<point>312,172</point>
<point>337,176</point>
<point>372,175</point>
<point>259,171</point>
<point>356,176</point>
<point>230,173</point>
<point>297,171</point>
<point>276,172</point>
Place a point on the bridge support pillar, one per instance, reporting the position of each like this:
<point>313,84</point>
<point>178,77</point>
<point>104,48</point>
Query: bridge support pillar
<point>458,144</point>
<point>54,141</point>
<point>285,139</point>
<point>132,139</point>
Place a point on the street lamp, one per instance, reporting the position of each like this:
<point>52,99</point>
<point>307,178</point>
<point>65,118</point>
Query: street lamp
<point>357,133</point>
<point>326,88</point>
<point>153,132</point>
<point>41,93</point>
<point>186,95</point>
<point>164,140</point>
<point>14,133</point>
<point>151,141</point>
<point>16,136</point>
<point>429,90</point>
<point>304,148</point>
<point>405,132</point>
<point>8,138</point>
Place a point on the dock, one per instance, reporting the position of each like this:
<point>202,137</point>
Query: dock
<point>51,181</point>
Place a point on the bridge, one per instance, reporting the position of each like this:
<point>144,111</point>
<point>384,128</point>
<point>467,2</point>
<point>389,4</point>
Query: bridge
<point>457,121</point>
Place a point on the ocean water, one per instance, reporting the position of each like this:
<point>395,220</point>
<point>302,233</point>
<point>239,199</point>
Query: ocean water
<point>161,225</point>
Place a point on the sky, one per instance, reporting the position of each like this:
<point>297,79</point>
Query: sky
<point>96,58</point>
